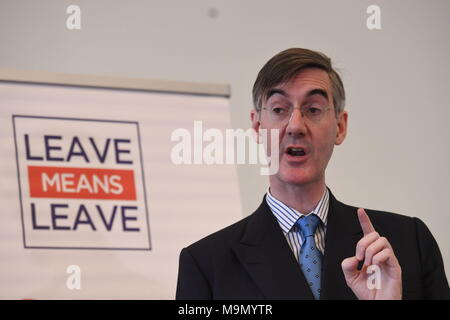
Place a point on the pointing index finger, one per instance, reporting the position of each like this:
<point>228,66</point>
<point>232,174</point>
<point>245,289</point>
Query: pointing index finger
<point>365,222</point>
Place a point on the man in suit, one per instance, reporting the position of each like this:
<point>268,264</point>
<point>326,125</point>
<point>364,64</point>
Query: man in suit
<point>302,243</point>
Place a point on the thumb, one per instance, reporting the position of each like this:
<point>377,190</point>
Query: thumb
<point>350,268</point>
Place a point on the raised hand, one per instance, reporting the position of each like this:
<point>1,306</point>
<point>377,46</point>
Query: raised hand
<point>373,250</point>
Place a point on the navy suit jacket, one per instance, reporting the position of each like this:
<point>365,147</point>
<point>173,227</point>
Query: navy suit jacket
<point>251,259</point>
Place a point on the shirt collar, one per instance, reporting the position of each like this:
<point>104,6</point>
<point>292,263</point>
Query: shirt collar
<point>287,216</point>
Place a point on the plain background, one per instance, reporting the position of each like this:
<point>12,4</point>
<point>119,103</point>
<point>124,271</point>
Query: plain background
<point>396,154</point>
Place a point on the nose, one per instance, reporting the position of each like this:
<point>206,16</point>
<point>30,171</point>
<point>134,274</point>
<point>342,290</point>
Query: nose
<point>296,125</point>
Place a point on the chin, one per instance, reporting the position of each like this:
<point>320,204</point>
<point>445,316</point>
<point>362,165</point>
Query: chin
<point>294,176</point>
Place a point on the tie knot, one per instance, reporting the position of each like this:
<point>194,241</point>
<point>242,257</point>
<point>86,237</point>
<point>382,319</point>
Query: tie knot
<point>308,225</point>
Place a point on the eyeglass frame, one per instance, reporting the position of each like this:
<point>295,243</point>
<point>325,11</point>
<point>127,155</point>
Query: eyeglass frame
<point>284,122</point>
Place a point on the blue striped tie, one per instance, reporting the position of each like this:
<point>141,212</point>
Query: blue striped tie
<point>310,257</point>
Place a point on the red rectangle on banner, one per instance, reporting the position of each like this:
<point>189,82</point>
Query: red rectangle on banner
<point>81,183</point>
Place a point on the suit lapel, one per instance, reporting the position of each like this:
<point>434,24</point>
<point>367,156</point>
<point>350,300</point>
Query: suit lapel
<point>343,233</point>
<point>268,259</point>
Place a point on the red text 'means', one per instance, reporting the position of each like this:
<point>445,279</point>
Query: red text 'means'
<point>81,183</point>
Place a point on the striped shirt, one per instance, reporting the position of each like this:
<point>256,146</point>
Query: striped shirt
<point>287,218</point>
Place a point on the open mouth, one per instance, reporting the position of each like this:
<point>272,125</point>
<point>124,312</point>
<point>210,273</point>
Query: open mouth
<point>295,152</point>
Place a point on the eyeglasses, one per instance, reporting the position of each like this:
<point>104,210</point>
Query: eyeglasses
<point>281,115</point>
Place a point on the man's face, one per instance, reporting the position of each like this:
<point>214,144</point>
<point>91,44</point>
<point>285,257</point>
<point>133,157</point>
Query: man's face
<point>316,138</point>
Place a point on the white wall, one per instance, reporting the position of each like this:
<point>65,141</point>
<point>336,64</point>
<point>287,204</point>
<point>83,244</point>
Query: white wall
<point>396,154</point>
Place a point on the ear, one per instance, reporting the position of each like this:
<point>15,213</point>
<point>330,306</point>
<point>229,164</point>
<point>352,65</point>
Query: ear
<point>341,127</point>
<point>256,123</point>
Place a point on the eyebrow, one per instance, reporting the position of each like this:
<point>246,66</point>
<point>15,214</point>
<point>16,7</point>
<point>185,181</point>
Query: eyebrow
<point>319,92</point>
<point>275,91</point>
<point>309,94</point>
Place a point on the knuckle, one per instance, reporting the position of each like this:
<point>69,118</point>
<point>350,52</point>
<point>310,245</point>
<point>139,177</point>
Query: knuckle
<point>361,244</point>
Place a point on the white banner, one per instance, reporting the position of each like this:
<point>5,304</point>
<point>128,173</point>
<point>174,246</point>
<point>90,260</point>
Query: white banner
<point>93,207</point>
